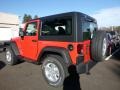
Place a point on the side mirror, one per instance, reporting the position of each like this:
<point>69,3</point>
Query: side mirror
<point>21,32</point>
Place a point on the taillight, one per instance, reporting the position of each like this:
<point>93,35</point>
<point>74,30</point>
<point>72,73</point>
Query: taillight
<point>80,48</point>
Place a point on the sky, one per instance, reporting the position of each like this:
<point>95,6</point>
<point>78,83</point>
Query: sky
<point>107,12</point>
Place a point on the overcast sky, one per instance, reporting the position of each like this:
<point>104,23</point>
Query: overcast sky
<point>107,12</point>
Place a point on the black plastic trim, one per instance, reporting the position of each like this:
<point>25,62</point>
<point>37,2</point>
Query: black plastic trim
<point>80,59</point>
<point>81,66</point>
<point>62,51</point>
<point>14,47</point>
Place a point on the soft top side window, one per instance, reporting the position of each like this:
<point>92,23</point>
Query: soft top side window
<point>88,29</point>
<point>57,27</point>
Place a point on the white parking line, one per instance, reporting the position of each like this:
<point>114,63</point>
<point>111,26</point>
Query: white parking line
<point>107,58</point>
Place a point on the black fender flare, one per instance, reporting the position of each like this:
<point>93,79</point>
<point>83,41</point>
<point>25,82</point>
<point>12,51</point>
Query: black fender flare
<point>13,46</point>
<point>57,50</point>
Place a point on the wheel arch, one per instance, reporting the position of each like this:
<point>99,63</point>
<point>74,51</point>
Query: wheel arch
<point>13,46</point>
<point>55,51</point>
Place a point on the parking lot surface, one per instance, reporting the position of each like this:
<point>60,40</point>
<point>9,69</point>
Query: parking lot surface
<point>27,76</point>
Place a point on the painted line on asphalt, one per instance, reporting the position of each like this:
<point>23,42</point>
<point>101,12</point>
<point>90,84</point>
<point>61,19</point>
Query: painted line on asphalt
<point>107,58</point>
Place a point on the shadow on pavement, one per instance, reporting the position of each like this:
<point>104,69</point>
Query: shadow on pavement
<point>117,56</point>
<point>72,81</point>
<point>1,51</point>
<point>92,64</point>
<point>116,67</point>
<point>20,61</point>
<point>2,64</point>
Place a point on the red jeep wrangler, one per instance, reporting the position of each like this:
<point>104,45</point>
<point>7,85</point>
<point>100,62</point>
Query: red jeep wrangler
<point>57,42</point>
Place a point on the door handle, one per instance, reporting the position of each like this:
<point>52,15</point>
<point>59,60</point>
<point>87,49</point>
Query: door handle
<point>34,40</point>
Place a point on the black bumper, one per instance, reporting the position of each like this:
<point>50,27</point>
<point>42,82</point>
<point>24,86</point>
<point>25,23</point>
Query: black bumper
<point>81,67</point>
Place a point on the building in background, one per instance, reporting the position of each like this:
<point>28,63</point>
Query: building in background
<point>9,21</point>
<point>9,26</point>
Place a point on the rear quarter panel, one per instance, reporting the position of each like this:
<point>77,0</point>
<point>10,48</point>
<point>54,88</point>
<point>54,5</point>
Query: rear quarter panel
<point>73,53</point>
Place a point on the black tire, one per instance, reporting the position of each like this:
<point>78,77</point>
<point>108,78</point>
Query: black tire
<point>99,42</point>
<point>58,62</point>
<point>12,59</point>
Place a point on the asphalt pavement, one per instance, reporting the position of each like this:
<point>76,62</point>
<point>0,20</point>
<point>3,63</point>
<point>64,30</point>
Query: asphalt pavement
<point>27,76</point>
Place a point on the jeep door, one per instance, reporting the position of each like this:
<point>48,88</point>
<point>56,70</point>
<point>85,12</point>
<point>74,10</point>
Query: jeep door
<point>29,42</point>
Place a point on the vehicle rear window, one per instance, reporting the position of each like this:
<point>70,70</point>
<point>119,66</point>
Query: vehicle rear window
<point>57,27</point>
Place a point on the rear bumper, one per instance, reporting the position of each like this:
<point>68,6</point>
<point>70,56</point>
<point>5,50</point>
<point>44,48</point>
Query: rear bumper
<point>81,66</point>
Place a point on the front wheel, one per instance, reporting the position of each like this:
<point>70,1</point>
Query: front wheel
<point>10,56</point>
<point>54,70</point>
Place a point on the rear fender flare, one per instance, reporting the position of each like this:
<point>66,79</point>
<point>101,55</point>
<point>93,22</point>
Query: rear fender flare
<point>60,51</point>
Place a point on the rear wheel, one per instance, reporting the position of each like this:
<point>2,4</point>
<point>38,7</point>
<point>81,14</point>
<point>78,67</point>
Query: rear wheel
<point>99,46</point>
<point>10,56</point>
<point>54,70</point>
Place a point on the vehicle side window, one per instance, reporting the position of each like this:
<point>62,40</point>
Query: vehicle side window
<point>88,29</point>
<point>57,27</point>
<point>31,29</point>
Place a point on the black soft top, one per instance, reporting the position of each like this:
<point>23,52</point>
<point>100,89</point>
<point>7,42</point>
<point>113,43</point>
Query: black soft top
<point>77,33</point>
<point>82,15</point>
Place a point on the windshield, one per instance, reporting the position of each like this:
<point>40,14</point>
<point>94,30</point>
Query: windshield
<point>88,29</point>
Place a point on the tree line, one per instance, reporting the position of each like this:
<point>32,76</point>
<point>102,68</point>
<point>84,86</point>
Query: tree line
<point>28,17</point>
